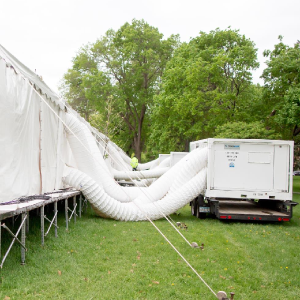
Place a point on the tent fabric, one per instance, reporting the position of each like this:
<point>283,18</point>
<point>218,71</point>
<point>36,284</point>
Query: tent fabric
<point>19,136</point>
<point>35,80</point>
<point>51,146</point>
<point>33,147</point>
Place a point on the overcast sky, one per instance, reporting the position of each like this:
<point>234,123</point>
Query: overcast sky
<point>45,35</point>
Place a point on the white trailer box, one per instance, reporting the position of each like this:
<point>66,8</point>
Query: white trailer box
<point>176,157</point>
<point>162,157</point>
<point>248,169</point>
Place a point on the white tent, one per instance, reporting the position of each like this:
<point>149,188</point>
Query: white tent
<point>31,136</point>
<point>39,136</point>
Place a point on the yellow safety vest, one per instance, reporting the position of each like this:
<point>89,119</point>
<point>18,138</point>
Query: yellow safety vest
<point>134,162</point>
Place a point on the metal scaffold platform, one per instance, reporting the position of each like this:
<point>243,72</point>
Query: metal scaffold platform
<point>22,207</point>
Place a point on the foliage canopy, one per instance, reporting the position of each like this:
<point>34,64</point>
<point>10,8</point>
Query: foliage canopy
<point>124,66</point>
<point>137,87</point>
<point>206,83</point>
<point>282,87</point>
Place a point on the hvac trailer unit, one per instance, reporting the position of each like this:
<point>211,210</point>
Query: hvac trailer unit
<point>247,180</point>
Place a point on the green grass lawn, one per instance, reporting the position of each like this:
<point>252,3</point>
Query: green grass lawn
<point>107,259</point>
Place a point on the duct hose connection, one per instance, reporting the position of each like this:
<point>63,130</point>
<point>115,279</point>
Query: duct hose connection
<point>106,206</point>
<point>175,188</point>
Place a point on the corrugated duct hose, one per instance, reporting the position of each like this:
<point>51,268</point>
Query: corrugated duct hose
<point>187,179</point>
<point>128,175</point>
<point>106,206</point>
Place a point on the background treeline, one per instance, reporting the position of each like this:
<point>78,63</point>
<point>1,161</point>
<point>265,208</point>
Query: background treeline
<point>153,95</point>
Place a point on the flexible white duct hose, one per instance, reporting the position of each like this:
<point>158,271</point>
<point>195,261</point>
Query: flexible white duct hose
<point>143,182</point>
<point>196,159</point>
<point>165,162</point>
<point>90,161</point>
<point>117,159</point>
<point>87,146</point>
<point>128,175</point>
<point>187,172</point>
<point>155,164</point>
<point>146,166</point>
<point>88,164</point>
<point>105,205</point>
<point>140,166</point>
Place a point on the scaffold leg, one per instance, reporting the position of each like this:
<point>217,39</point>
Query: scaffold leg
<point>74,208</point>
<point>55,221</point>
<point>0,239</point>
<point>15,238</point>
<point>67,214</point>
<point>27,223</point>
<point>23,237</point>
<point>52,222</point>
<point>80,205</point>
<point>73,212</point>
<point>42,225</point>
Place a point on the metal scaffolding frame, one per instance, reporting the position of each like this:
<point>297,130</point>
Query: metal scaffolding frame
<point>23,209</point>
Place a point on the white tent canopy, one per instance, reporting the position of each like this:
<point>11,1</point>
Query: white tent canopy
<point>40,136</point>
<point>31,136</point>
<point>33,78</point>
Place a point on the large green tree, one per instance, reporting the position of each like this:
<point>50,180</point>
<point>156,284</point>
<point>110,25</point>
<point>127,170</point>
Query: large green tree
<point>125,65</point>
<point>243,130</point>
<point>208,82</point>
<point>73,85</point>
<point>282,88</point>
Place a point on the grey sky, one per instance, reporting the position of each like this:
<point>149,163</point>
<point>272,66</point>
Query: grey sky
<point>45,35</point>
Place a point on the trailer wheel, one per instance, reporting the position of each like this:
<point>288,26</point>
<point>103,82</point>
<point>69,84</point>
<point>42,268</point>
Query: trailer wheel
<point>200,202</point>
<point>201,215</point>
<point>194,207</point>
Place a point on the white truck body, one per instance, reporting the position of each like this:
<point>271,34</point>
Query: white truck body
<point>248,169</point>
<point>162,157</point>
<point>176,157</point>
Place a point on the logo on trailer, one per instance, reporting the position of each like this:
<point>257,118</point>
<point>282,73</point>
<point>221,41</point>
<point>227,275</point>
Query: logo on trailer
<point>232,147</point>
<point>231,165</point>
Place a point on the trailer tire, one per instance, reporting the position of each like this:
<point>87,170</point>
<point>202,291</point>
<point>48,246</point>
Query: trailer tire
<point>194,207</point>
<point>200,202</point>
<point>201,215</point>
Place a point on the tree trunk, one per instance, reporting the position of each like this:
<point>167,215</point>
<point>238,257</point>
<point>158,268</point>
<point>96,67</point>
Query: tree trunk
<point>137,147</point>
<point>137,140</point>
<point>296,130</point>
<point>187,146</point>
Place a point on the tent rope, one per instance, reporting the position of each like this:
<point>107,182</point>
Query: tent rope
<point>177,251</point>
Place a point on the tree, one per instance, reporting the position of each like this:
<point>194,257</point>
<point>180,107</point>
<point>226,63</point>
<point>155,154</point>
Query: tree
<point>243,130</point>
<point>282,88</point>
<point>127,65</point>
<point>206,83</point>
<point>73,86</point>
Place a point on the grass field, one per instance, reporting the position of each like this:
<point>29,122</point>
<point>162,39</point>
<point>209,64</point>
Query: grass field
<point>106,259</point>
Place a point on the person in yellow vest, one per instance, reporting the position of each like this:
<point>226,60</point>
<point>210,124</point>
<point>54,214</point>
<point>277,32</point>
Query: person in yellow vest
<point>134,162</point>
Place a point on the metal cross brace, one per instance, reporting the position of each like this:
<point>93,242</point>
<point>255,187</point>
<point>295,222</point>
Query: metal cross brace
<point>51,223</point>
<point>73,211</point>
<point>15,238</point>
<point>82,204</point>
